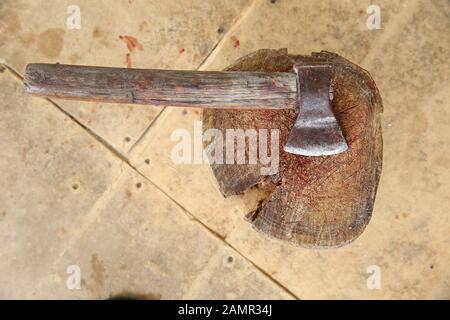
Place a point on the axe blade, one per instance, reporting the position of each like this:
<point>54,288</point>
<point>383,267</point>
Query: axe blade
<point>316,131</point>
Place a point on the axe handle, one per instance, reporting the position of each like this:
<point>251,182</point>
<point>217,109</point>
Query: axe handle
<point>202,89</point>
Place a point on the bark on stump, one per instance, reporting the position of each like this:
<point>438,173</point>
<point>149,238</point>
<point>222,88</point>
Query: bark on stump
<point>312,201</point>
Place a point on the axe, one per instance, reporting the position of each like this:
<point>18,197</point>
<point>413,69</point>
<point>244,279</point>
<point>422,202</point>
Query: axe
<point>316,131</point>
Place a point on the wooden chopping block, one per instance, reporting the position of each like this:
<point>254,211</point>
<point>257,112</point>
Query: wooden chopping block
<point>315,202</point>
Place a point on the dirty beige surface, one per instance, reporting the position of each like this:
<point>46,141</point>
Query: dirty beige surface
<point>145,226</point>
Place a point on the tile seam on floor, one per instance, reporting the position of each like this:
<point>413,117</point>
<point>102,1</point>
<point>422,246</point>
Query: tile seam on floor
<point>144,133</point>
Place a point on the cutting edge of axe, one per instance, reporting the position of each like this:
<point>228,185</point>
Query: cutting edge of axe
<point>316,131</point>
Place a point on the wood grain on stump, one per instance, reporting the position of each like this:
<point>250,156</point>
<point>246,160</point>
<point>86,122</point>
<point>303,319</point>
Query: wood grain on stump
<point>312,201</point>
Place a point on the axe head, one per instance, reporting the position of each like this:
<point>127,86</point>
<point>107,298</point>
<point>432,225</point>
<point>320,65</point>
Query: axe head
<point>316,131</point>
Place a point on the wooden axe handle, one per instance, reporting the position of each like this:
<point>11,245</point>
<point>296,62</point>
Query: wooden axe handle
<point>202,89</point>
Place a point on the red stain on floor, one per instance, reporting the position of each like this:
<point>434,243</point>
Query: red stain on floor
<point>131,42</point>
<point>236,42</point>
<point>128,61</point>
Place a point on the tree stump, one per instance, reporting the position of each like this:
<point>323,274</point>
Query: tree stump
<point>311,201</point>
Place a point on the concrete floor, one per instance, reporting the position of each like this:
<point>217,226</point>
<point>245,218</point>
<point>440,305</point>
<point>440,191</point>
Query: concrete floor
<point>92,184</point>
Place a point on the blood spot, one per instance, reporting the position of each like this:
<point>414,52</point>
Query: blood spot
<point>131,42</point>
<point>236,42</point>
<point>128,61</point>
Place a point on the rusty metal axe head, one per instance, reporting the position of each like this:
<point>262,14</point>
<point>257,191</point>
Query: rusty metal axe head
<point>316,131</point>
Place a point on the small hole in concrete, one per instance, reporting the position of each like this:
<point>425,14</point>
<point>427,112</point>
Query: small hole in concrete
<point>230,259</point>
<point>75,186</point>
<point>147,161</point>
<point>273,1</point>
<point>127,139</point>
<point>432,267</point>
<point>221,30</point>
<point>138,185</point>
